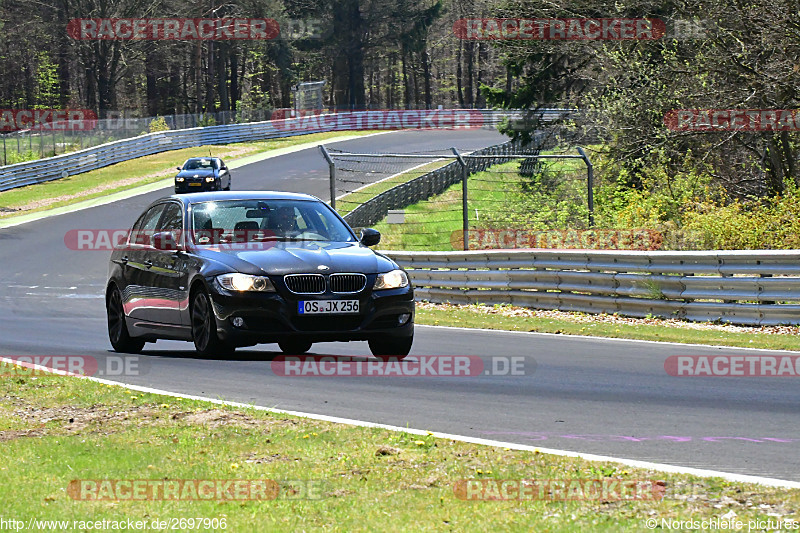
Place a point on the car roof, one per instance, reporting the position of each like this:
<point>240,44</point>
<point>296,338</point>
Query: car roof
<point>203,157</point>
<point>198,197</point>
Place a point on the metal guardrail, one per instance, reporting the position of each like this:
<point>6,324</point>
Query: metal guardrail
<point>739,287</point>
<point>31,172</point>
<point>52,168</point>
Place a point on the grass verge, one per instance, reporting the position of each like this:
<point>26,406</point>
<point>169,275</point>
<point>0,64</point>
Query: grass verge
<point>511,318</point>
<point>60,429</point>
<point>435,223</point>
<point>135,172</point>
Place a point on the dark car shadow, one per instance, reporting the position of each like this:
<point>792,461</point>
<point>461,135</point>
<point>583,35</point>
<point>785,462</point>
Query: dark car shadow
<point>243,354</point>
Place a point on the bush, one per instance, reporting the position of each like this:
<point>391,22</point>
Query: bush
<point>206,120</point>
<point>158,124</point>
<point>771,223</point>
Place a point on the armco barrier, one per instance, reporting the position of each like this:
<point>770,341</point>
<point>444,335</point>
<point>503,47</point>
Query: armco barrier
<point>431,183</point>
<point>740,287</point>
<point>28,173</point>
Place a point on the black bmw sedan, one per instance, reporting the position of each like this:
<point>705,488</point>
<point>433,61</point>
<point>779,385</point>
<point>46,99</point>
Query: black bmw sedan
<point>203,174</point>
<point>228,269</point>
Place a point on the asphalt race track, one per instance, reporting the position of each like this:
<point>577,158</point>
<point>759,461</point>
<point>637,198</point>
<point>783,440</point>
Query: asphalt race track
<point>606,397</point>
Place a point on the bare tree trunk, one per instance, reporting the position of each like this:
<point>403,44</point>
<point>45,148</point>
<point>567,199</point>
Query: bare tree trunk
<point>222,77</point>
<point>469,57</point>
<point>483,53</point>
<point>234,75</point>
<point>406,85</point>
<point>459,74</point>
<point>426,70</point>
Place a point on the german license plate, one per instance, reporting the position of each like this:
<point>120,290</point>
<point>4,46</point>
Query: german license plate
<point>327,307</point>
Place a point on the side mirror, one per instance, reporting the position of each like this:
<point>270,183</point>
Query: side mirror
<point>165,241</point>
<point>370,237</point>
<point>179,168</point>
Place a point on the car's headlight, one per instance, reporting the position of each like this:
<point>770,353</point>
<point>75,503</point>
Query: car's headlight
<point>179,179</point>
<point>391,280</point>
<point>210,179</point>
<point>245,282</point>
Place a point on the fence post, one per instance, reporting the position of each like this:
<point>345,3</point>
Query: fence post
<point>589,184</point>
<point>332,173</point>
<point>464,197</point>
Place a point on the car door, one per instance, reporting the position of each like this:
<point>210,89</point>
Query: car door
<point>137,296</point>
<point>167,272</point>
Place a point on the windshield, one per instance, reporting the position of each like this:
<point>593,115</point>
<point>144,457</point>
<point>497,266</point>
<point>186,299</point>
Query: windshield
<point>229,221</point>
<point>197,164</point>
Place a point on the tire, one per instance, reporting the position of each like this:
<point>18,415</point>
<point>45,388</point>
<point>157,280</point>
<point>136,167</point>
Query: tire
<point>228,187</point>
<point>391,348</point>
<point>204,328</point>
<point>118,334</point>
<point>294,346</point>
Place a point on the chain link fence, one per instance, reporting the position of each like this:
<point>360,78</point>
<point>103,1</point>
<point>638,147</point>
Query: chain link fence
<point>500,196</point>
<point>50,139</point>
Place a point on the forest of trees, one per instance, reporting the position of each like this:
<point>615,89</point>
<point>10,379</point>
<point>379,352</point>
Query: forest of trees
<point>376,54</point>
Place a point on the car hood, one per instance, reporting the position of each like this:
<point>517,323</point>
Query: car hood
<point>300,257</point>
<point>200,172</point>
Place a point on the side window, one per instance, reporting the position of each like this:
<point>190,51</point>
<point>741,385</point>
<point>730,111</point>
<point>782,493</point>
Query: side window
<point>146,225</point>
<point>172,220</point>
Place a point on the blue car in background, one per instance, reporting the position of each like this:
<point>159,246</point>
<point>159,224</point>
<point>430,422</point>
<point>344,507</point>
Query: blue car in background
<point>203,174</point>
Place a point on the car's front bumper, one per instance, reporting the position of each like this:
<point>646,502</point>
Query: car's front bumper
<point>195,186</point>
<point>272,317</point>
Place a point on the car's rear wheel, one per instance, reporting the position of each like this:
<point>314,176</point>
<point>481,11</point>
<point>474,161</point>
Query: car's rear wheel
<point>294,346</point>
<point>204,328</point>
<point>117,329</point>
<point>391,348</point>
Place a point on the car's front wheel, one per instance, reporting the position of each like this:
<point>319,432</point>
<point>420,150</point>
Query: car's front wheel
<point>294,346</point>
<point>395,348</point>
<point>117,329</point>
<point>204,328</point>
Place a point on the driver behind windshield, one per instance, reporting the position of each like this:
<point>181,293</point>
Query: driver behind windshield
<point>284,221</point>
<point>197,164</point>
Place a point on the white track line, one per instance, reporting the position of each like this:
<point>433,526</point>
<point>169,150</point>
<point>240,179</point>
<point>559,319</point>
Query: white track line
<point>739,478</point>
<point>592,337</point>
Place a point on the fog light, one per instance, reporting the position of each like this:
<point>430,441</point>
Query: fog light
<point>238,322</point>
<point>402,319</point>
